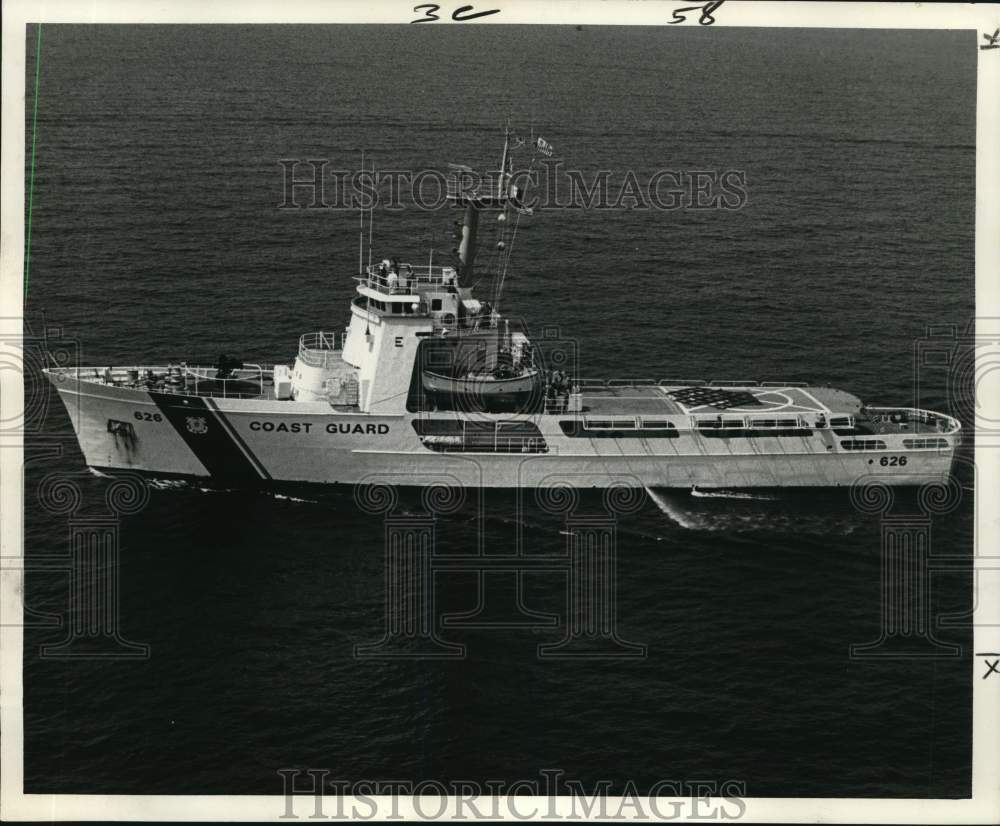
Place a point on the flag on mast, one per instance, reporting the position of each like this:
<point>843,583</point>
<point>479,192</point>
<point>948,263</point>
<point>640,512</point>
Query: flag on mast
<point>544,147</point>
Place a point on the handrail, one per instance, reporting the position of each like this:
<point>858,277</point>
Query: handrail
<point>630,382</point>
<point>320,349</point>
<point>926,416</point>
<point>177,379</point>
<point>400,280</point>
<point>202,374</point>
<point>321,340</point>
<point>730,421</point>
<point>585,382</point>
<point>681,383</point>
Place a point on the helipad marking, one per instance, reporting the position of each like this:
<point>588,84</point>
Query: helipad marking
<point>822,408</point>
<point>771,400</point>
<point>770,407</point>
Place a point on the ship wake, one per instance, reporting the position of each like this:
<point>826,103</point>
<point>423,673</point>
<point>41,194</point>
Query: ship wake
<point>753,512</point>
<point>676,514</point>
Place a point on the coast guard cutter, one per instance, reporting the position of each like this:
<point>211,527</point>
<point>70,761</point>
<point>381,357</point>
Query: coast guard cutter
<point>429,384</point>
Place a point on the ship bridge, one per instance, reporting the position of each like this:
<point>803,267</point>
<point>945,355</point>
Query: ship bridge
<point>401,289</point>
<point>391,278</point>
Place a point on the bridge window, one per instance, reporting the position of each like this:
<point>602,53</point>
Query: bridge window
<point>435,304</point>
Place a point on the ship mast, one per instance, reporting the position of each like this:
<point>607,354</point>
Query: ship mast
<point>501,183</point>
<point>513,193</point>
<point>473,201</point>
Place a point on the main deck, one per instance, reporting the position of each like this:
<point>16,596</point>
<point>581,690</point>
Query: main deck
<point>693,400</point>
<point>705,435</point>
<point>707,407</point>
<point>750,407</point>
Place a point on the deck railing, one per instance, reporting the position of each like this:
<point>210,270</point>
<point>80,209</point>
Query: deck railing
<point>776,421</point>
<point>182,379</point>
<point>205,376</point>
<point>407,277</point>
<point>321,349</point>
<point>939,421</point>
<point>592,383</point>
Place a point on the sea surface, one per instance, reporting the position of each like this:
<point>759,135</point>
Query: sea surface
<point>156,236</point>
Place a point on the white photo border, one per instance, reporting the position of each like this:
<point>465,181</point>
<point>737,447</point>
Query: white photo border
<point>984,805</point>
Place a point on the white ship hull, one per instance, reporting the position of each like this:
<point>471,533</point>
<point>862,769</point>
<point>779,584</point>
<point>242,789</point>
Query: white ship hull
<point>260,441</point>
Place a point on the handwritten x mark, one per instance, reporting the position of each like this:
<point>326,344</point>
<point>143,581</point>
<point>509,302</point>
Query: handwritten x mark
<point>991,40</point>
<point>993,668</point>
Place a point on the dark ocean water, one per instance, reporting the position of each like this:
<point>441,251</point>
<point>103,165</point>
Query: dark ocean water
<point>156,236</point>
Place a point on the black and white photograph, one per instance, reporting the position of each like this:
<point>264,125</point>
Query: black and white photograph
<point>500,412</point>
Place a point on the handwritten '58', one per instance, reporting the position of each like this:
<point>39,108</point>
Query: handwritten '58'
<point>706,9</point>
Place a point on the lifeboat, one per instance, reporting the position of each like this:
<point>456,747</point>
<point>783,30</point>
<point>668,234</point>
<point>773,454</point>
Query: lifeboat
<point>486,386</point>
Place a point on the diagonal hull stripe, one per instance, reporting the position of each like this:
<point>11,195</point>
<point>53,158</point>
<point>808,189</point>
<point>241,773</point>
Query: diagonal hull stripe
<point>208,438</point>
<point>240,442</point>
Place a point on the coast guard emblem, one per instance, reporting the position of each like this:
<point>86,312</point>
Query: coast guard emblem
<point>197,424</point>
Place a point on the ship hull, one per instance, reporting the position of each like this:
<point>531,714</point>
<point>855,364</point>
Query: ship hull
<point>258,442</point>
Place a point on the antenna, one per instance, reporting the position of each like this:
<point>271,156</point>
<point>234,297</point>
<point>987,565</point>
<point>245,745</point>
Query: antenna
<point>501,189</point>
<point>371,216</point>
<point>371,222</point>
<point>361,230</point>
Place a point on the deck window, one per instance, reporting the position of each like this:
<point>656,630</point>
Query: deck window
<point>863,444</point>
<point>773,423</point>
<point>611,429</point>
<point>609,424</point>
<point>925,444</point>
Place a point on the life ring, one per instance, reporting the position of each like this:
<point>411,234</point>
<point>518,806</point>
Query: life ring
<point>448,319</point>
